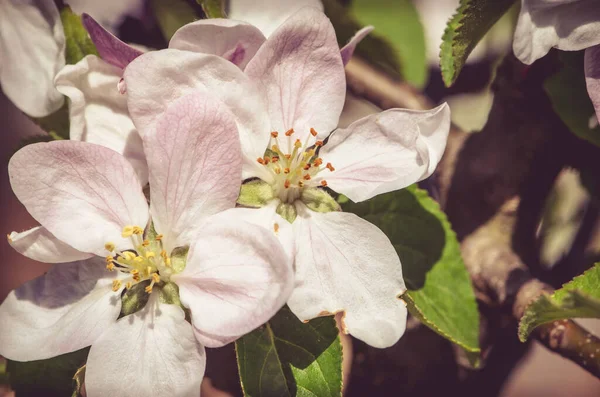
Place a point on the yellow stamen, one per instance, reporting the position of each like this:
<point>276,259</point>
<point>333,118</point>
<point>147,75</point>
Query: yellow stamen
<point>109,258</point>
<point>127,231</point>
<point>138,230</point>
<point>145,243</point>
<point>150,254</point>
<point>110,247</point>
<point>148,289</point>
<point>110,266</point>
<point>298,144</point>
<point>116,285</point>
<point>158,237</point>
<point>128,285</point>
<point>156,278</point>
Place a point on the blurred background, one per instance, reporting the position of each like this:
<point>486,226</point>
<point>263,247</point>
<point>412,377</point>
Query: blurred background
<point>414,29</point>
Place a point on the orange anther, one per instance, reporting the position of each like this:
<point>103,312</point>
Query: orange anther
<point>267,159</point>
<point>261,160</point>
<point>287,156</point>
<point>319,143</point>
<point>274,134</point>
<point>276,227</point>
<point>306,177</point>
<point>289,132</point>
<point>275,159</point>
<point>313,132</point>
<point>323,183</point>
<point>318,161</point>
<point>286,170</point>
<point>300,184</point>
<point>330,167</point>
<point>286,184</point>
<point>306,167</point>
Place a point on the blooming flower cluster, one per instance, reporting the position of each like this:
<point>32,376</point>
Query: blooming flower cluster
<point>203,177</point>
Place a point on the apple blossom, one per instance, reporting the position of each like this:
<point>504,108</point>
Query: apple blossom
<point>231,275</point>
<point>569,25</point>
<point>286,102</point>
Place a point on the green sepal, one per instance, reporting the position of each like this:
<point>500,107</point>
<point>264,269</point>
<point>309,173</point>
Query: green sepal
<point>169,294</point>
<point>134,299</point>
<point>179,258</point>
<point>172,15</point>
<point>319,200</point>
<point>78,42</point>
<point>287,212</point>
<point>212,8</point>
<point>79,379</point>
<point>255,194</point>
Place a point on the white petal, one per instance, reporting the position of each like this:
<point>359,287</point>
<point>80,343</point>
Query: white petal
<point>267,15</point>
<point>569,25</point>
<point>152,352</point>
<point>344,263</point>
<point>157,78</point>
<point>84,194</point>
<point>300,72</point>
<point>235,41</point>
<point>65,310</point>
<point>32,45</point>
<point>195,166</point>
<point>236,278</point>
<point>98,112</point>
<point>40,245</point>
<point>385,152</point>
<point>348,50</point>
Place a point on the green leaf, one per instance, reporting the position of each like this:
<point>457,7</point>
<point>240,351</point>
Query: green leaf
<point>473,19</point>
<point>48,378</point>
<point>78,41</point>
<point>440,292</point>
<point>398,21</point>
<point>568,93</point>
<point>172,14</point>
<point>56,124</point>
<point>212,8</point>
<point>373,48</point>
<point>579,298</point>
<point>286,357</point>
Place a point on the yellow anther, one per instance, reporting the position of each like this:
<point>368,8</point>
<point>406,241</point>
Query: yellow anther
<point>110,247</point>
<point>286,170</point>
<point>110,266</point>
<point>298,144</point>
<point>150,254</point>
<point>148,289</point>
<point>274,134</point>
<point>148,270</point>
<point>310,153</point>
<point>289,132</point>
<point>155,277</point>
<point>330,167</point>
<point>138,259</point>
<point>138,230</point>
<point>286,184</point>
<point>158,237</point>
<point>300,184</point>
<point>135,274</point>
<point>109,258</point>
<point>275,148</point>
<point>129,256</point>
<point>306,177</point>
<point>324,183</point>
<point>163,253</point>
<point>145,243</point>
<point>319,143</point>
<point>277,170</point>
<point>261,160</point>
<point>287,156</point>
<point>313,132</point>
<point>127,231</point>
<point>116,285</point>
<point>128,285</point>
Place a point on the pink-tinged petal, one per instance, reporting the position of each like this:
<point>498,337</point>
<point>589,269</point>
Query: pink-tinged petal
<point>195,166</point>
<point>40,245</point>
<point>32,46</point>
<point>267,15</point>
<point>564,24</point>
<point>235,41</point>
<point>110,48</point>
<point>347,264</point>
<point>385,151</point>
<point>348,50</point>
<point>236,278</point>
<point>152,352</point>
<point>62,311</point>
<point>98,112</point>
<point>156,79</point>
<point>300,71</point>
<point>83,194</point>
<point>592,76</point>
<point>109,13</point>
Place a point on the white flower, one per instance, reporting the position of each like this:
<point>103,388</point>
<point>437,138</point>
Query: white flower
<point>288,99</point>
<point>32,48</point>
<point>93,213</point>
<point>569,25</point>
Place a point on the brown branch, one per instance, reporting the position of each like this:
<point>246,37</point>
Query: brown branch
<point>481,179</point>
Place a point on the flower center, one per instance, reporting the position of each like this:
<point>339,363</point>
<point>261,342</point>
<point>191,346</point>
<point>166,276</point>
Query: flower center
<point>294,164</point>
<point>148,261</point>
